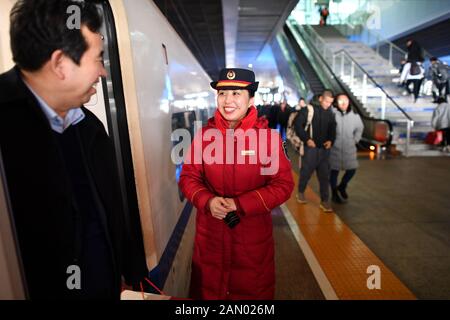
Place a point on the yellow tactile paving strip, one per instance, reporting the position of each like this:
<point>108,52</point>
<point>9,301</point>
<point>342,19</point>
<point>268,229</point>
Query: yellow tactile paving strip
<point>343,257</point>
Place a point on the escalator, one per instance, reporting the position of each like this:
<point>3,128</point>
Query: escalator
<point>377,132</point>
<point>305,66</point>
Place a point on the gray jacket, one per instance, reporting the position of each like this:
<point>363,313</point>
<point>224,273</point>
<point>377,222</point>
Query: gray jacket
<point>441,117</point>
<point>439,73</point>
<point>349,130</point>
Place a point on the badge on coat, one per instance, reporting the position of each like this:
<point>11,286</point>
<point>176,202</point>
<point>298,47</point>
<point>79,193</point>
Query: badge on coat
<point>248,153</point>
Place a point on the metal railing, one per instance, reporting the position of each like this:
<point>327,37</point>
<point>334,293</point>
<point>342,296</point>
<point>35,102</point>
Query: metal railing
<point>377,131</point>
<point>346,60</point>
<point>372,96</point>
<point>385,48</point>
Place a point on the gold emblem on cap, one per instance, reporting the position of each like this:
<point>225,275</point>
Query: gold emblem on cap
<point>231,75</point>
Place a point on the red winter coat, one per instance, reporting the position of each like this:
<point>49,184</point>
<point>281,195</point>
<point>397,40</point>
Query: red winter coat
<point>235,263</point>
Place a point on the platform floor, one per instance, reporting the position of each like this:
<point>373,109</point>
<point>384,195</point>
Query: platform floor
<point>398,215</point>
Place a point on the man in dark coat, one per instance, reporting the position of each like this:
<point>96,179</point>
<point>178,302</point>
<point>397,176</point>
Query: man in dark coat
<point>318,141</point>
<point>59,161</point>
<point>282,117</point>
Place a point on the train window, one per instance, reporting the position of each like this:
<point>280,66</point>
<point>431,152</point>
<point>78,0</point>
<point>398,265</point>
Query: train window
<point>182,120</point>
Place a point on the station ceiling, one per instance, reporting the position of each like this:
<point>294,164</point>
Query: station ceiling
<point>434,38</point>
<point>250,25</point>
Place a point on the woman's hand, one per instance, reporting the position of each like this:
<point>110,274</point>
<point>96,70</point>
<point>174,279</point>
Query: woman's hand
<point>219,207</point>
<point>310,143</point>
<point>231,204</point>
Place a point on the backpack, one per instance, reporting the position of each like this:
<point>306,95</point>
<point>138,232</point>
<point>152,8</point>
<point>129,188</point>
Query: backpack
<point>296,142</point>
<point>415,69</point>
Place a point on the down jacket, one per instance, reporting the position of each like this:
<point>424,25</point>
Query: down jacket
<point>441,117</point>
<point>236,263</point>
<point>349,129</point>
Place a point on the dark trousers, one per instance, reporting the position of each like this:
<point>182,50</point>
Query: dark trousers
<point>446,137</point>
<point>282,130</point>
<point>348,175</point>
<point>442,91</point>
<point>315,159</point>
<point>416,86</point>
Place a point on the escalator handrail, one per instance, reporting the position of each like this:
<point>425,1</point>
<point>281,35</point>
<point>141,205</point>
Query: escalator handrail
<point>305,82</point>
<point>362,70</point>
<point>343,89</point>
<point>379,38</point>
<point>373,80</point>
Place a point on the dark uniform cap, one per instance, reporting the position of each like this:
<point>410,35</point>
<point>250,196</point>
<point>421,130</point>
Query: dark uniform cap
<point>233,78</point>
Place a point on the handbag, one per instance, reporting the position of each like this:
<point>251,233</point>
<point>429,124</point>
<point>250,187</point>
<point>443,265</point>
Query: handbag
<point>136,295</point>
<point>434,137</point>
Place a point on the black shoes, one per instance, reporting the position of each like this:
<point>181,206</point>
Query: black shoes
<point>343,193</point>
<point>335,197</point>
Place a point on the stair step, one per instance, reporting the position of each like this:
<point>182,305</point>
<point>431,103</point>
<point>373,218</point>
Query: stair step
<point>387,78</point>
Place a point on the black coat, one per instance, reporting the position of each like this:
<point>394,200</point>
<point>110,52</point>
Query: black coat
<point>283,116</point>
<point>40,197</point>
<point>415,52</point>
<point>323,125</point>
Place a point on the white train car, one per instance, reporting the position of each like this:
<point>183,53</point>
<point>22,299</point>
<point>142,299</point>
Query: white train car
<point>154,85</point>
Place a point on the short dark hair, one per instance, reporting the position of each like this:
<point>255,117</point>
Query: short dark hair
<point>433,59</point>
<point>327,93</point>
<point>39,27</point>
<point>251,93</point>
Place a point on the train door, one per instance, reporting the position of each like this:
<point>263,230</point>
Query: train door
<point>109,106</point>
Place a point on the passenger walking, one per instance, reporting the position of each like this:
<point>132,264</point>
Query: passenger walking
<point>317,147</point>
<point>440,120</point>
<point>234,250</point>
<point>414,51</point>
<point>324,13</point>
<point>349,129</point>
<point>301,104</point>
<point>439,75</point>
<point>413,72</point>
<point>283,117</point>
<point>290,131</point>
<point>59,161</point>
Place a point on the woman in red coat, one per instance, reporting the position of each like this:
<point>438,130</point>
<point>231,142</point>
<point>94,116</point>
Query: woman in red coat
<point>235,173</point>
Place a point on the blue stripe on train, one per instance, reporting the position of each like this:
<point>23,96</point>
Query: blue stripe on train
<point>159,274</point>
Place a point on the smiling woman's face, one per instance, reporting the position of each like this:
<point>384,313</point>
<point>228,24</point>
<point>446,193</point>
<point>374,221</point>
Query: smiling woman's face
<point>233,104</point>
